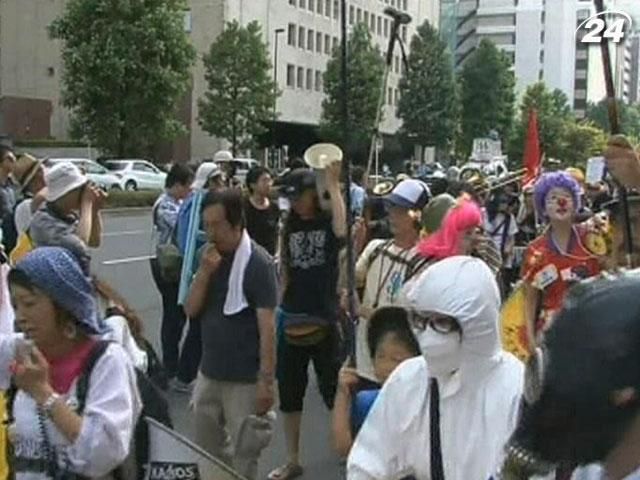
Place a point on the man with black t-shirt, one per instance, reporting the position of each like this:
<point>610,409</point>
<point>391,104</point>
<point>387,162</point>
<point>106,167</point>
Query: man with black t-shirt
<point>262,215</point>
<point>307,317</point>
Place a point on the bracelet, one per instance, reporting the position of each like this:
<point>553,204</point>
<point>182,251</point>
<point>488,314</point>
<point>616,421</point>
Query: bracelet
<point>49,403</point>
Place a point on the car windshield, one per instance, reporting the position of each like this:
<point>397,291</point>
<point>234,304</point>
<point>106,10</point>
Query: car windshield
<point>116,166</point>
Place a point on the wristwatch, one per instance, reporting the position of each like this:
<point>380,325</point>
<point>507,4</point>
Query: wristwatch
<point>49,403</point>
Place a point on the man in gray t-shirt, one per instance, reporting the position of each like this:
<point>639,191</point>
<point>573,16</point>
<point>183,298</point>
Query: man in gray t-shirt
<point>237,311</point>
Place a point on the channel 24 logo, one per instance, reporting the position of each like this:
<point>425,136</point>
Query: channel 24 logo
<point>614,29</point>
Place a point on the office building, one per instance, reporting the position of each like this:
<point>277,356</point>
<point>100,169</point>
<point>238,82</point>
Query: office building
<point>31,69</point>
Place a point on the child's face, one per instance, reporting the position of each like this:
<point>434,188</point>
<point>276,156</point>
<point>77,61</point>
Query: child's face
<point>389,354</point>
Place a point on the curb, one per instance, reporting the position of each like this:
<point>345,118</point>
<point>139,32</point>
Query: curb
<point>126,210</point>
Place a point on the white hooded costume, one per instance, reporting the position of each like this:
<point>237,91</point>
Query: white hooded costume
<point>479,403</point>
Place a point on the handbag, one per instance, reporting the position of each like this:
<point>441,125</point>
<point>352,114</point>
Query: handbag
<point>169,256</point>
<point>303,330</point>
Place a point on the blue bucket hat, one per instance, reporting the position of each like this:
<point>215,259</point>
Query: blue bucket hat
<point>56,272</point>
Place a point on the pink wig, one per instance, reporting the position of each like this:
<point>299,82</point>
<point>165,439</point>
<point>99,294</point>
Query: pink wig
<point>446,241</point>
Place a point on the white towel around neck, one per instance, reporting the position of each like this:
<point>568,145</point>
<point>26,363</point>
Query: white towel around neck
<point>236,300</point>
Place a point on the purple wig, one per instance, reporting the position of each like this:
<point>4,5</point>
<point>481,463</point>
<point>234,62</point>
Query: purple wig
<point>549,181</point>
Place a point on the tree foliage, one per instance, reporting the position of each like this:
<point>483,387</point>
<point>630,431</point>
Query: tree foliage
<point>487,86</point>
<point>241,91</point>
<point>126,65</point>
<point>365,68</point>
<point>561,136</point>
<point>428,104</point>
<point>582,141</point>
<point>629,117</point>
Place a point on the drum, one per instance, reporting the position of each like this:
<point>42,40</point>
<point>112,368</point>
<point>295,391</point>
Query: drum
<point>513,328</point>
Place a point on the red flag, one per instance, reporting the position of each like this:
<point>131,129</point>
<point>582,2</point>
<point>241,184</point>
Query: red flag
<point>532,156</point>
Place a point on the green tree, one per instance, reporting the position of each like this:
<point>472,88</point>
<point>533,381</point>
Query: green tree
<point>365,68</point>
<point>581,141</point>
<point>241,91</point>
<point>428,104</point>
<point>487,86</point>
<point>554,117</point>
<point>629,116</point>
<point>126,65</point>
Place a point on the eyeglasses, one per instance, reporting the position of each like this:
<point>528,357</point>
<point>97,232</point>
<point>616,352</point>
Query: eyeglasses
<point>439,323</point>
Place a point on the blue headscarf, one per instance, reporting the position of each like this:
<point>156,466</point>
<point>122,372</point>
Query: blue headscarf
<point>56,272</point>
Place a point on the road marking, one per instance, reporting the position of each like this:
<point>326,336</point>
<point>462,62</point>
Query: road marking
<point>128,260</point>
<point>126,232</point>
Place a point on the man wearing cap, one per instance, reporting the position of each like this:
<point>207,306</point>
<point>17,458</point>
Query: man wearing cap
<point>307,319</point>
<point>208,176</point>
<point>385,265</point>
<point>71,217</point>
<point>28,174</point>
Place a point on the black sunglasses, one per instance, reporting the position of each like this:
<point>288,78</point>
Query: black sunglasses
<point>438,322</point>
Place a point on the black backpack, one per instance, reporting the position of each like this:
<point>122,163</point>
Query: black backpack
<point>154,405</point>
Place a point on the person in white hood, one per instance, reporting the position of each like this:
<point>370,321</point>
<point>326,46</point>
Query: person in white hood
<point>451,419</point>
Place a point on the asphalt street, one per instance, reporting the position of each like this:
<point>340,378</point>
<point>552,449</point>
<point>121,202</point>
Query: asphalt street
<point>123,260</point>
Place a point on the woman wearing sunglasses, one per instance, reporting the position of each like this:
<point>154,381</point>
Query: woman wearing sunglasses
<point>449,413</point>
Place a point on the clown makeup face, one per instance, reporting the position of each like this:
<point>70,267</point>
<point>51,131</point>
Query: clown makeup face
<point>559,205</point>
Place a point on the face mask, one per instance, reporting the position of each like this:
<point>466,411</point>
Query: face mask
<point>443,351</point>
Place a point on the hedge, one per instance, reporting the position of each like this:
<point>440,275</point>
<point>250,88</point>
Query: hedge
<point>122,199</point>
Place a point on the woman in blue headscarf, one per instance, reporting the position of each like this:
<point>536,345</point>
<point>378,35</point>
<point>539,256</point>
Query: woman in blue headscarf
<point>57,430</point>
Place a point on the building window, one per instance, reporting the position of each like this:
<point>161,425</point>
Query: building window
<point>319,7</point>
<point>302,3</point>
<point>300,77</point>
<point>327,8</point>
<point>311,5</point>
<point>309,79</point>
<point>390,96</point>
<point>291,75</point>
<point>335,43</point>
<point>352,14</point>
<point>318,81</point>
<point>372,25</point>
<point>405,5</point>
<point>386,27</point>
<point>359,15</point>
<point>291,36</point>
<point>542,36</point>
<point>541,56</point>
<point>301,37</point>
<point>318,42</point>
<point>396,62</point>
<point>292,2</point>
<point>327,44</point>
<point>336,9</point>
<point>310,37</point>
<point>396,97</point>
<point>366,18</point>
<point>540,75</point>
<point>187,21</point>
<point>379,25</point>
<point>404,33</point>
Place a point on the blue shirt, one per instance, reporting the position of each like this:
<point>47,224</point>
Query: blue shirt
<point>182,229</point>
<point>165,216</point>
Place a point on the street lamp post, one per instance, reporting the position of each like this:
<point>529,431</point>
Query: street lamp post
<point>277,33</point>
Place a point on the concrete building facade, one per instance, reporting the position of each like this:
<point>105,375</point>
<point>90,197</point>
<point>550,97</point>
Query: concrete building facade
<point>30,63</point>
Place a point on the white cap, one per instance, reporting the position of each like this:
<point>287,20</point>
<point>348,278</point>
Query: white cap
<point>411,194</point>
<point>63,178</point>
<point>205,171</point>
<point>223,156</point>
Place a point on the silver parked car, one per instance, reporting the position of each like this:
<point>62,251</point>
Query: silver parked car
<point>94,171</point>
<point>137,174</point>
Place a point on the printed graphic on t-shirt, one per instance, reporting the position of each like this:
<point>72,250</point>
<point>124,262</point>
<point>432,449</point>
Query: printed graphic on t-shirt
<point>307,249</point>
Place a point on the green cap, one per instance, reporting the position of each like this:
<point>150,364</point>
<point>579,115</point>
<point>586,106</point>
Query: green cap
<point>434,212</point>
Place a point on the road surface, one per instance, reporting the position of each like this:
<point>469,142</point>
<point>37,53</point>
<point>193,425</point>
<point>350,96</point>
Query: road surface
<point>123,260</point>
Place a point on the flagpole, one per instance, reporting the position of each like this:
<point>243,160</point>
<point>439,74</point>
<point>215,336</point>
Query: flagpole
<point>612,110</point>
<point>344,104</point>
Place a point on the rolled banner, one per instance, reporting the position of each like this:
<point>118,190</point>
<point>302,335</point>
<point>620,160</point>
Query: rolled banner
<point>173,456</point>
<point>188,264</point>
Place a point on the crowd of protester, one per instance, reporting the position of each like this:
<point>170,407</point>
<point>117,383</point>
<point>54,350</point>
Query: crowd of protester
<point>416,375</point>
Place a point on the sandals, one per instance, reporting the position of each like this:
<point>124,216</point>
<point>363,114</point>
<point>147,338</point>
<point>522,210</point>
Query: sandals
<point>288,471</point>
